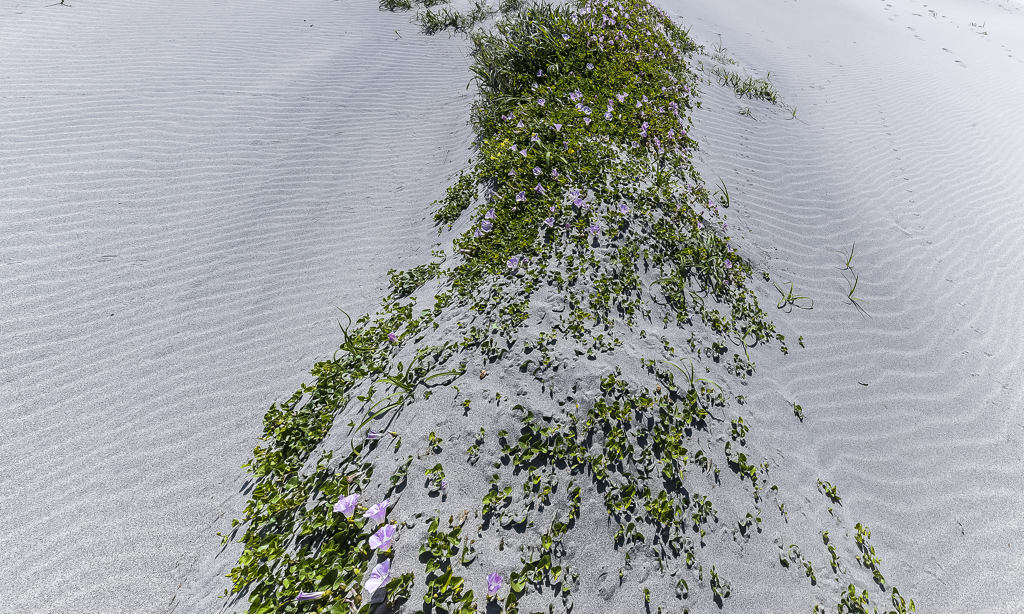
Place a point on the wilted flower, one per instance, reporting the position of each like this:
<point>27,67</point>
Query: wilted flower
<point>381,540</point>
<point>380,576</point>
<point>700,226</point>
<point>537,171</point>
<point>486,225</point>
<point>347,505</point>
<point>550,222</point>
<point>310,596</point>
<point>372,435</point>
<point>490,215</point>
<point>494,582</point>
<point>521,196</point>
<point>444,487</point>
<point>378,512</point>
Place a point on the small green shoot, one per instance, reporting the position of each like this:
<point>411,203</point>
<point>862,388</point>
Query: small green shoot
<point>788,298</point>
<point>849,257</point>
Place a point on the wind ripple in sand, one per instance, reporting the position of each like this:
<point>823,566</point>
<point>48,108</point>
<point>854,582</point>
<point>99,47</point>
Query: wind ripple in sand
<point>189,189</point>
<point>900,149</point>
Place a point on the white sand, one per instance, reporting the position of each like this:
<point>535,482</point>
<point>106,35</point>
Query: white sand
<point>189,189</point>
<point>910,142</point>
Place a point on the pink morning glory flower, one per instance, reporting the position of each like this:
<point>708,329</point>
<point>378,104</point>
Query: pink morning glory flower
<point>494,582</point>
<point>378,512</point>
<point>309,596</point>
<point>347,505</point>
<point>521,196</point>
<point>381,540</point>
<point>380,576</point>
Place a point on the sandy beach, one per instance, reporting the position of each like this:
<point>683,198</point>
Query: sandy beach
<point>190,192</point>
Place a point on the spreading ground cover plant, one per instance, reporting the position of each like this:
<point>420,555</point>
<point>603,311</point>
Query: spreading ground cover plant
<point>587,245</point>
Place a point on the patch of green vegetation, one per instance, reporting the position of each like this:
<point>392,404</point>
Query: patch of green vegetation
<point>583,193</point>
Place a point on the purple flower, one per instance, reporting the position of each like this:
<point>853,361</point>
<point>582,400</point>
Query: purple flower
<point>392,337</point>
<point>558,127</point>
<point>310,596</point>
<point>554,172</point>
<point>523,153</point>
<point>565,37</point>
<point>539,189</point>
<point>700,226</point>
<point>520,124</point>
<point>381,540</point>
<point>380,576</point>
<point>494,582</point>
<point>534,138</point>
<point>578,202</point>
<point>378,512</point>
<point>513,262</point>
<point>574,193</point>
<point>490,215</point>
<point>347,505</point>
<point>540,102</point>
<point>372,435</point>
<point>671,133</point>
<point>608,115</point>
<point>728,264</point>
<point>621,97</point>
<point>521,196</point>
<point>575,96</point>
<point>550,222</point>
<point>477,234</point>
<point>511,173</point>
<point>486,225</point>
<point>594,229</point>
<point>586,120</point>
<point>444,487</point>
<point>623,208</point>
<point>590,66</point>
<point>537,171</point>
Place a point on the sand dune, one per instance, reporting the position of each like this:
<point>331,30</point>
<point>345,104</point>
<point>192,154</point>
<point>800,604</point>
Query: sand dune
<point>906,142</point>
<point>189,190</point>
